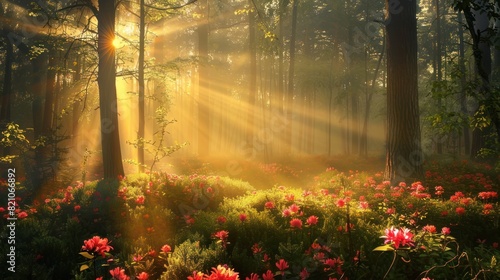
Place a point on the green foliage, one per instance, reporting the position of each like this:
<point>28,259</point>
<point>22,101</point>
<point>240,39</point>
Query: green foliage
<point>190,256</point>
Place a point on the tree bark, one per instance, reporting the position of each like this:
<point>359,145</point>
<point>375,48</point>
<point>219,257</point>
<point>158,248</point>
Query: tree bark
<point>203,88</point>
<point>291,81</point>
<point>5,113</point>
<point>404,158</point>
<point>110,137</point>
<point>463,84</point>
<point>142,87</point>
<point>252,90</point>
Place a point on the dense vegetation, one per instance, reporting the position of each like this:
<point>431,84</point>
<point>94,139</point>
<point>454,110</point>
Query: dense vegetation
<point>329,224</point>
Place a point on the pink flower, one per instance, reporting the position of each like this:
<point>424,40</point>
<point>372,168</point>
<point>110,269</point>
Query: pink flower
<point>166,249</point>
<point>97,245</point>
<point>282,265</point>
<point>286,212</point>
<point>312,220</point>
<point>398,237</point>
<point>296,223</point>
<point>119,274</point>
<point>294,208</point>
<point>222,235</point>
<point>445,231</point>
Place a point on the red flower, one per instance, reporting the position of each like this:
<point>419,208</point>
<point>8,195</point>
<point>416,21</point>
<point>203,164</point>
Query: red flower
<point>256,248</point>
<point>222,235</point>
<point>286,212</point>
<point>166,248</point>
<point>140,199</point>
<point>196,276</point>
<point>222,273</point>
<point>296,223</point>
<point>304,274</point>
<point>253,276</point>
<point>243,217</point>
<point>340,203</point>
<point>221,219</point>
<point>137,258</point>
<point>22,215</point>
<point>142,276</point>
<point>97,245</point>
<point>77,208</point>
<point>460,210</point>
<point>268,275</point>
<point>294,208</point>
<point>269,205</point>
<point>312,220</point>
<point>430,228</point>
<point>282,265</point>
<point>398,237</point>
<point>119,274</point>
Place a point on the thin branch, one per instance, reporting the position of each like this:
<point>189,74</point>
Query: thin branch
<point>170,8</point>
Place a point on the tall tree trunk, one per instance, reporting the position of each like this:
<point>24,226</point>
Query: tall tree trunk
<point>203,88</point>
<point>5,111</point>
<point>49,94</point>
<point>280,96</point>
<point>463,84</point>
<point>142,87</point>
<point>252,90</point>
<point>291,81</point>
<point>404,157</point>
<point>439,144</point>
<point>477,23</point>
<point>110,136</point>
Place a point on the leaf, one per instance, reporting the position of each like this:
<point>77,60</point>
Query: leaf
<point>86,255</point>
<point>83,267</point>
<point>384,248</point>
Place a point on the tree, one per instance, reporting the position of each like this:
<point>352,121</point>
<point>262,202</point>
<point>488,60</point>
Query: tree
<point>403,144</point>
<point>110,137</point>
<point>204,90</point>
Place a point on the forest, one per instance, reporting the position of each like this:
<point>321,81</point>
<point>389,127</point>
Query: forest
<point>250,139</point>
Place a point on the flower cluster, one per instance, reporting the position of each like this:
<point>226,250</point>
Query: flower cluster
<point>398,237</point>
<point>97,245</point>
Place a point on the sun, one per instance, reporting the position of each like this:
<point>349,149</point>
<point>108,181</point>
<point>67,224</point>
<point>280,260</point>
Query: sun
<point>117,43</point>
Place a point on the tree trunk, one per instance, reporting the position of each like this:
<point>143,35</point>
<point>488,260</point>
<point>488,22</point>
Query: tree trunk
<point>110,136</point>
<point>49,94</point>
<point>404,156</point>
<point>142,87</point>
<point>253,79</point>
<point>463,85</point>
<point>203,88</point>
<point>291,81</point>
<point>439,144</point>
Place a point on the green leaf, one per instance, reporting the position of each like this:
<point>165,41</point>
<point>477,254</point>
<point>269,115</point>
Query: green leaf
<point>384,248</point>
<point>83,267</point>
<point>86,255</point>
